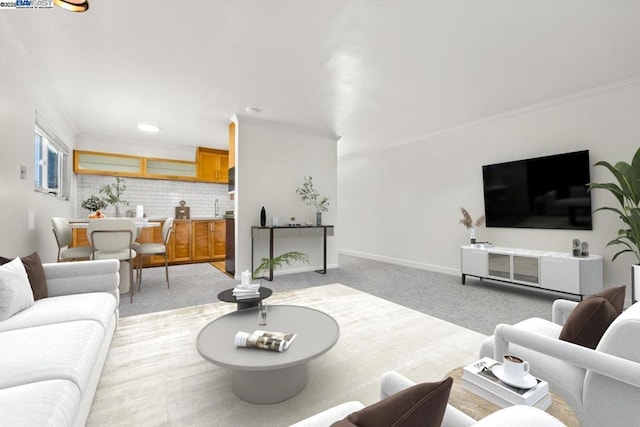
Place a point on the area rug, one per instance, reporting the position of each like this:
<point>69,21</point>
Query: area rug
<point>154,375</point>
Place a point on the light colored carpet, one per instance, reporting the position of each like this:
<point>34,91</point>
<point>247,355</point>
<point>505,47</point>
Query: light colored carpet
<point>154,375</point>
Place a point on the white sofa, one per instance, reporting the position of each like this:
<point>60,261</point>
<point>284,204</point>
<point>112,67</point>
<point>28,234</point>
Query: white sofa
<point>52,353</point>
<point>601,385</point>
<point>393,382</point>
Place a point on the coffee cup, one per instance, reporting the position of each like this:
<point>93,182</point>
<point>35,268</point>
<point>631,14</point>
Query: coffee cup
<point>514,368</point>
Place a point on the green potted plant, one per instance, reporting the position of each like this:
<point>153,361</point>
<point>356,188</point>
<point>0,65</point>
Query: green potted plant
<point>267,265</point>
<point>627,192</point>
<point>113,194</point>
<point>311,196</point>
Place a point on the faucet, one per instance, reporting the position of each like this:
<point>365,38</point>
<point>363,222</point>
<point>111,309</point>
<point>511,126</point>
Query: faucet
<point>215,209</point>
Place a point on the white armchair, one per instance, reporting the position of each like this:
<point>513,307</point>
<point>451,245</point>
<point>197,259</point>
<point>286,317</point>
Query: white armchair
<point>393,382</point>
<point>601,385</point>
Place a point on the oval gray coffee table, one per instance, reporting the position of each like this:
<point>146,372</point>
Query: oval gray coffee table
<point>264,376</point>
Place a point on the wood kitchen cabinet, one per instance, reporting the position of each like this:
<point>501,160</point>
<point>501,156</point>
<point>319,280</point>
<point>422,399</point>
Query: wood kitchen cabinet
<point>178,170</point>
<point>190,241</point>
<point>79,237</point>
<point>219,239</point>
<point>212,165</point>
<point>180,241</point>
<point>97,163</point>
<point>202,240</point>
<point>208,240</point>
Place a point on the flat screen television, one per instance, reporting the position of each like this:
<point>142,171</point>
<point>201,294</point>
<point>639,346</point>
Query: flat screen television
<point>544,192</point>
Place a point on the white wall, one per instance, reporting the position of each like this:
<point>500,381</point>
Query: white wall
<point>20,98</point>
<point>271,163</point>
<point>402,204</point>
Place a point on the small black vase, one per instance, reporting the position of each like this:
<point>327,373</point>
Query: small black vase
<point>263,217</point>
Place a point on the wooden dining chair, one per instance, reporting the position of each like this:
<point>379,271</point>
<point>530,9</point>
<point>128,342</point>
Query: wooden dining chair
<point>62,232</point>
<point>112,238</point>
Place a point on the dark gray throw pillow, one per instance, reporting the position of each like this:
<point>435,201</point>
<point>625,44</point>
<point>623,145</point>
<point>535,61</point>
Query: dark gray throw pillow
<point>615,296</point>
<point>588,322</point>
<point>422,405</point>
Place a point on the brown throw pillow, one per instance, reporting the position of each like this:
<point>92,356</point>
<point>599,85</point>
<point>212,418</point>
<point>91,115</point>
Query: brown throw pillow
<point>422,405</point>
<point>615,296</point>
<point>588,321</point>
<point>35,272</point>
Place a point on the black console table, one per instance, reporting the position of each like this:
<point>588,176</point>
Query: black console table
<point>271,229</point>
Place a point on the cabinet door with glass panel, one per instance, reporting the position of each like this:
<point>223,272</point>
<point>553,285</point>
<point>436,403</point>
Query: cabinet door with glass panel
<point>526,269</point>
<point>95,163</point>
<point>499,265</point>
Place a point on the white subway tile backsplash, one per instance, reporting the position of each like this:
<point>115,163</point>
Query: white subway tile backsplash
<point>158,197</point>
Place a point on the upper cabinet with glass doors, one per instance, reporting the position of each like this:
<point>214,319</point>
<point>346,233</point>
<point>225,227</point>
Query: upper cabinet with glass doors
<point>98,163</point>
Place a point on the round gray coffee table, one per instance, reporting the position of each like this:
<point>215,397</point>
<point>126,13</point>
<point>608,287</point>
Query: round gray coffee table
<point>264,376</point>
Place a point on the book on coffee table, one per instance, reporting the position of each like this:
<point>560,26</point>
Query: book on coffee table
<point>267,340</point>
<point>246,291</point>
<point>479,373</point>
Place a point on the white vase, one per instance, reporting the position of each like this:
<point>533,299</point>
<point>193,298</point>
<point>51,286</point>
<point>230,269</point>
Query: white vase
<point>472,235</point>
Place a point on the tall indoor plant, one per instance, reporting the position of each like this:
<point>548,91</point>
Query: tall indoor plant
<point>627,192</point>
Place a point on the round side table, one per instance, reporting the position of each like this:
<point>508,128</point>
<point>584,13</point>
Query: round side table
<point>227,296</point>
<point>477,408</point>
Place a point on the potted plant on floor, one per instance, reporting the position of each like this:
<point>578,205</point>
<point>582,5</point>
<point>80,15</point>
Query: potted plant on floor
<point>268,265</point>
<point>627,192</point>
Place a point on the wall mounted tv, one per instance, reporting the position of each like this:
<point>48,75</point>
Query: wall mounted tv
<point>543,192</point>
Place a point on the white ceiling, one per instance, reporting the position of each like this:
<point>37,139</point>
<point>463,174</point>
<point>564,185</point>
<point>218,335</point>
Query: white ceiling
<point>373,72</point>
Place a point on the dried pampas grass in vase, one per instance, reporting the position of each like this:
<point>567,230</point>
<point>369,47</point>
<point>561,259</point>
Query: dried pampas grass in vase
<point>467,221</point>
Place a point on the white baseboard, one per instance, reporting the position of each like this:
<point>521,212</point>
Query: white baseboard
<point>403,262</point>
<point>302,270</point>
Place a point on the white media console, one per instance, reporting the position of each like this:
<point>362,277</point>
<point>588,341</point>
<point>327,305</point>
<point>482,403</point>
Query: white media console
<point>555,271</point>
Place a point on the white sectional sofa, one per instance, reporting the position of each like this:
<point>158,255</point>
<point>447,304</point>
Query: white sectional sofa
<point>52,353</point>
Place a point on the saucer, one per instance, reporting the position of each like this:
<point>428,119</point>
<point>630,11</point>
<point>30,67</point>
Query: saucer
<point>528,381</point>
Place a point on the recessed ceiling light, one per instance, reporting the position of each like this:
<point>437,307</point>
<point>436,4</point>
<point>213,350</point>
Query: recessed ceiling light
<point>148,127</point>
<point>252,110</point>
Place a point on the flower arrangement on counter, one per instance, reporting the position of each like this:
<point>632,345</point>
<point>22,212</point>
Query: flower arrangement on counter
<point>93,204</point>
